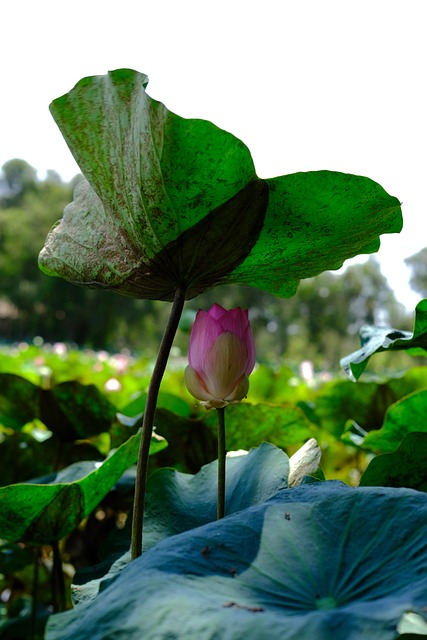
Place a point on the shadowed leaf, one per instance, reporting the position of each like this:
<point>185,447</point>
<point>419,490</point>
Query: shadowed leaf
<point>405,467</point>
<point>70,410</point>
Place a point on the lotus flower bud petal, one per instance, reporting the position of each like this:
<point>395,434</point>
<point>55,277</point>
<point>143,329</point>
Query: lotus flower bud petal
<point>221,356</point>
<point>195,385</point>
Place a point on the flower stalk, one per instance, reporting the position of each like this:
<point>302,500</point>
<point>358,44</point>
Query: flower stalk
<point>148,421</point>
<point>222,453</point>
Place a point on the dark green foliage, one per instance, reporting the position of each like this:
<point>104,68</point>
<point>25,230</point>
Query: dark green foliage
<point>404,467</point>
<point>178,502</point>
<point>70,410</point>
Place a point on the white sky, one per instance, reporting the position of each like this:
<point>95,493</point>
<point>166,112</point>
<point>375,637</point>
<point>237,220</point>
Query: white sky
<point>306,84</point>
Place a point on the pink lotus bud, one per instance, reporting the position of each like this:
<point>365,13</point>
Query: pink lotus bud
<point>221,356</point>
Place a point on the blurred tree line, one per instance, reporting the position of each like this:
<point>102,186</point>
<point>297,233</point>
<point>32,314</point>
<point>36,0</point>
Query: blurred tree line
<point>320,323</point>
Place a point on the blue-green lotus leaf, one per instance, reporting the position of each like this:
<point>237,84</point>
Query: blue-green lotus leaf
<point>320,561</point>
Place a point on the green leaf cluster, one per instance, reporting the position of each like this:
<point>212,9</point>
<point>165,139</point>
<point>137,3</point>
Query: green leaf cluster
<point>296,531</point>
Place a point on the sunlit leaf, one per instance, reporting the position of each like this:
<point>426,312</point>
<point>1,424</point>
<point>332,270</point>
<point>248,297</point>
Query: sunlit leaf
<point>405,416</point>
<point>319,561</point>
<point>377,339</point>
<point>315,221</point>
<point>169,202</point>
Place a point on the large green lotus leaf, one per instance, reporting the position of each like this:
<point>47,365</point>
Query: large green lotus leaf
<point>377,339</point>
<point>161,189</point>
<point>178,501</point>
<point>44,513</point>
<point>248,425</point>
<point>169,201</point>
<point>405,416</point>
<point>320,561</point>
<point>405,467</point>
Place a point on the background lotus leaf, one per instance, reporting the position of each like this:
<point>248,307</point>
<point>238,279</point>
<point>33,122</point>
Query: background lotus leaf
<point>70,410</point>
<point>248,425</point>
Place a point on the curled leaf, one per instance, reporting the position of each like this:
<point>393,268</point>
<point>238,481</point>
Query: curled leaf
<point>378,339</point>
